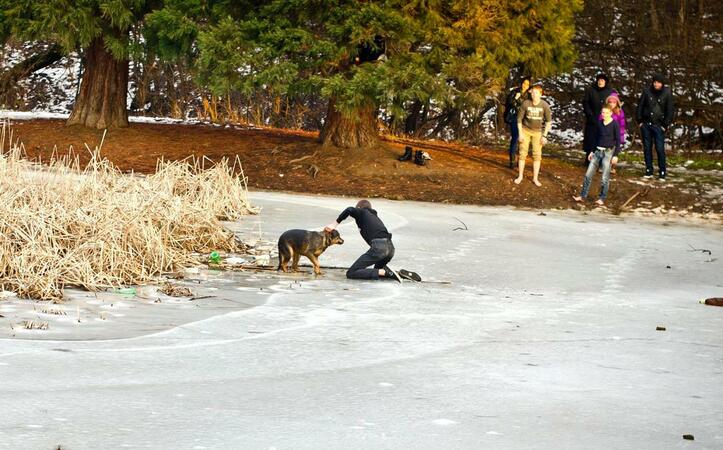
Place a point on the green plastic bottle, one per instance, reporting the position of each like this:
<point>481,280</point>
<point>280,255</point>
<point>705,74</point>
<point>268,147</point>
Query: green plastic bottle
<point>214,258</point>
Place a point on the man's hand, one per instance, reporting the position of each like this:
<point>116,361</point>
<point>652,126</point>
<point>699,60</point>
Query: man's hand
<point>614,160</point>
<point>331,227</point>
<point>543,140</point>
<point>589,156</point>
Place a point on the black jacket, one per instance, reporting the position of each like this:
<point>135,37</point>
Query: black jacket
<point>370,226</point>
<point>512,105</point>
<point>655,107</point>
<point>608,136</point>
<point>594,101</point>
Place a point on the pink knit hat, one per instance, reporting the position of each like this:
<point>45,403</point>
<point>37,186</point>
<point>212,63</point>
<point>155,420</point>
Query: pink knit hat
<point>614,98</point>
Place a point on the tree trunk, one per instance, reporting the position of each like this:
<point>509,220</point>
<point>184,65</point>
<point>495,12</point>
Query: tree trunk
<point>350,130</point>
<point>10,77</point>
<point>101,100</point>
<point>412,122</point>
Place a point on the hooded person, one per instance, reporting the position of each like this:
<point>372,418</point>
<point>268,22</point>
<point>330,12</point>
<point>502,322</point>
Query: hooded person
<point>513,102</point>
<point>654,115</point>
<point>592,104</point>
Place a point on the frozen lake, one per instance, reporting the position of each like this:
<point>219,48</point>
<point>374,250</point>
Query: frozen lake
<point>546,338</point>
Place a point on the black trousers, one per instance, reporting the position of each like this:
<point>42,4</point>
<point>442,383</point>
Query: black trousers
<point>378,255</point>
<point>653,134</point>
<point>589,137</point>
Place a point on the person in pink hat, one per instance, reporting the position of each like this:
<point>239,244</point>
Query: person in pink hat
<point>616,106</point>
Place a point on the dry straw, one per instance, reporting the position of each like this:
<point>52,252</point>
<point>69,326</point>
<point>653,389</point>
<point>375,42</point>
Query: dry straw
<point>94,227</point>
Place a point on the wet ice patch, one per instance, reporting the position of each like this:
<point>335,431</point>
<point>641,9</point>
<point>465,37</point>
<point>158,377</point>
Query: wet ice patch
<point>444,422</point>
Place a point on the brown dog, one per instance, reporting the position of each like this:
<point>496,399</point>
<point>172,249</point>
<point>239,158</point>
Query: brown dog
<point>295,243</point>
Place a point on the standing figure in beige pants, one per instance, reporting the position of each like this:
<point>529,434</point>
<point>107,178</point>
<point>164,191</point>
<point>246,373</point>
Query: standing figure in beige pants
<point>534,120</point>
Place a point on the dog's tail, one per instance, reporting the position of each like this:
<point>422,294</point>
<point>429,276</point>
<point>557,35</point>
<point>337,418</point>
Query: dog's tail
<point>284,253</point>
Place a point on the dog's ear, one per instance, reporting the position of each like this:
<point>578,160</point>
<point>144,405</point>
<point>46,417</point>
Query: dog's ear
<point>327,237</point>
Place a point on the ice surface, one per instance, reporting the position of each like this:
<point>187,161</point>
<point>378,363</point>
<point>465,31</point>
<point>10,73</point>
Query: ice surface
<point>546,339</point>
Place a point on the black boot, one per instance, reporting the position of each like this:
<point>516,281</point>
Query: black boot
<point>407,154</point>
<point>419,158</point>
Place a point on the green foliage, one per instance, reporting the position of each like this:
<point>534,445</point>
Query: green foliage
<point>170,27</point>
<point>449,52</point>
<point>4,25</point>
<point>170,32</point>
<point>692,161</point>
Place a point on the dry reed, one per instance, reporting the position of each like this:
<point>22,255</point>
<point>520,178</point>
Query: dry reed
<point>94,227</point>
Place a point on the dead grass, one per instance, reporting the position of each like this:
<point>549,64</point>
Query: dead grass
<point>96,227</point>
<point>34,325</point>
<point>172,290</point>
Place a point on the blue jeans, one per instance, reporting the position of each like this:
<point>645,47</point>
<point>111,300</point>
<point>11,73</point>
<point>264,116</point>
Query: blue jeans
<point>514,140</point>
<point>653,134</point>
<point>602,158</point>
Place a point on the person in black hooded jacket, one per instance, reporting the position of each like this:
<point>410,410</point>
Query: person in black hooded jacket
<point>592,105</point>
<point>654,115</point>
<point>513,102</point>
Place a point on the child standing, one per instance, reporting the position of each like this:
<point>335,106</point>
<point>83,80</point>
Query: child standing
<point>614,103</point>
<point>605,154</point>
<point>534,121</point>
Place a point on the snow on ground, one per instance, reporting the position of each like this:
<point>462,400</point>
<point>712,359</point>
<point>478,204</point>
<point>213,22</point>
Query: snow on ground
<point>546,338</point>
<point>33,115</point>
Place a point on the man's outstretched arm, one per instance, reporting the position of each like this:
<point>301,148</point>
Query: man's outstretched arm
<point>350,211</point>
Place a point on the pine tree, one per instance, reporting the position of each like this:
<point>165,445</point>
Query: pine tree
<point>107,33</point>
<point>390,55</point>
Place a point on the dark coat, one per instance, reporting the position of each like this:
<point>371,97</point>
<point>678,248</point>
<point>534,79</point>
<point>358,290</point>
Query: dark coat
<point>594,101</point>
<point>655,107</point>
<point>512,105</point>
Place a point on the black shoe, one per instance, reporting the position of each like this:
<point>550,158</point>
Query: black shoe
<point>409,275</point>
<point>389,273</point>
<point>419,158</point>
<point>407,154</point>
